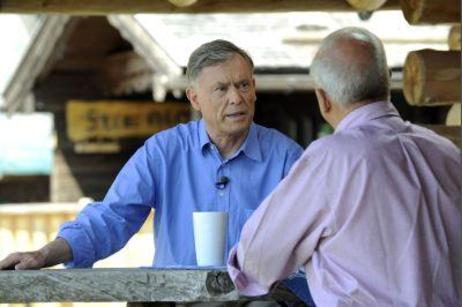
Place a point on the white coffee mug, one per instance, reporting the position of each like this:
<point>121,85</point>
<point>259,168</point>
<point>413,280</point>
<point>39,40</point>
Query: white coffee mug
<point>210,232</point>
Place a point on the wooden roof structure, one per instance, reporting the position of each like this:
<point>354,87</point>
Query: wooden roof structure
<point>103,7</point>
<point>72,44</point>
<point>136,53</point>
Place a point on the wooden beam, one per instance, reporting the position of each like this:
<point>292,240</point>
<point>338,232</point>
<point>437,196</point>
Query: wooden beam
<point>182,3</point>
<point>77,62</point>
<point>103,7</point>
<point>125,73</point>
<point>431,11</point>
<point>38,58</point>
<point>145,45</point>
<point>454,37</point>
<point>366,5</point>
<point>269,83</point>
<point>432,77</point>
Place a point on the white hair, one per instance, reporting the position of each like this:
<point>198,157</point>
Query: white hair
<point>348,80</point>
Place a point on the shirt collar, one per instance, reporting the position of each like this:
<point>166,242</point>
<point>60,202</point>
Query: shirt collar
<point>366,113</point>
<point>251,146</point>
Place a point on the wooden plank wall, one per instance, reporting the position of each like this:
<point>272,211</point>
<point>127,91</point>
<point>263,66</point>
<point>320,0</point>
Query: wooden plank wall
<point>73,175</point>
<point>12,189</point>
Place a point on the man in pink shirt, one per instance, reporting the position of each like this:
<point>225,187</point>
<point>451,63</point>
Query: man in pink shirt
<point>372,212</point>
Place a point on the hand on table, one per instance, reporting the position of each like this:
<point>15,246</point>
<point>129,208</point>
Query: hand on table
<point>55,252</point>
<point>23,261</point>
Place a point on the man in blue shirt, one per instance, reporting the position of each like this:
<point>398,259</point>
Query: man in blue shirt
<point>223,162</point>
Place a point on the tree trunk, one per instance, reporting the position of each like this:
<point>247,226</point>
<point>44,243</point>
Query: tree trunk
<point>432,77</point>
<point>431,11</point>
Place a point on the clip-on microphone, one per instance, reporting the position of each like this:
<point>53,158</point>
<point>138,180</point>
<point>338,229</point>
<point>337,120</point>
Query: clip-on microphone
<point>221,182</point>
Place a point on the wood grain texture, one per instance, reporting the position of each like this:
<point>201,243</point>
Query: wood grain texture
<point>103,7</point>
<point>366,5</point>
<point>454,37</point>
<point>129,285</point>
<point>432,77</point>
<point>431,11</point>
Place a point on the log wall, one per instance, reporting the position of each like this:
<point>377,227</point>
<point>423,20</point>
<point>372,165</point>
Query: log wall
<point>431,11</point>
<point>432,77</point>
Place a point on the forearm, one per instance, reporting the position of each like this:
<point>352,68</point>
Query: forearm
<point>56,252</point>
<point>244,284</point>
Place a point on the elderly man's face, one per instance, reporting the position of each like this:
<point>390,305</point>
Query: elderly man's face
<point>225,95</point>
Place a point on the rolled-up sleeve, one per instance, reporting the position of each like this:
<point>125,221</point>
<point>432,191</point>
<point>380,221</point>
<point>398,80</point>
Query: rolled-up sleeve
<point>102,228</point>
<point>244,284</point>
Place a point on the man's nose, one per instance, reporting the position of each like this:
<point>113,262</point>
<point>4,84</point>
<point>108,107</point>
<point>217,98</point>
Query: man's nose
<point>234,95</point>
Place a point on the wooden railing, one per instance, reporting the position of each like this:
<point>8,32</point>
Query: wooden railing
<point>26,227</point>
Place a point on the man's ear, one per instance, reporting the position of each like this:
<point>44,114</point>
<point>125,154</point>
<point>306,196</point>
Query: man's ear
<point>325,105</point>
<point>192,97</point>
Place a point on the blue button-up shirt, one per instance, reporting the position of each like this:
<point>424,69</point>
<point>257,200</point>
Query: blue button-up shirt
<point>175,173</point>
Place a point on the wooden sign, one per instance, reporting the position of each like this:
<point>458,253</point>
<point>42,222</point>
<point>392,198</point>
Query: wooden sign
<point>103,120</point>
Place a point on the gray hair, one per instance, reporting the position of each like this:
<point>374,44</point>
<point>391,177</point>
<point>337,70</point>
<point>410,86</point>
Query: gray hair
<point>213,53</point>
<point>345,79</point>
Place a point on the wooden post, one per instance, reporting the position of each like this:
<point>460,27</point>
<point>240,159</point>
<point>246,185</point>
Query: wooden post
<point>432,77</point>
<point>431,11</point>
<point>454,37</point>
<point>105,7</point>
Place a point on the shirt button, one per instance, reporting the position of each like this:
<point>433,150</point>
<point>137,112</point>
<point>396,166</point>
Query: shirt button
<point>221,194</point>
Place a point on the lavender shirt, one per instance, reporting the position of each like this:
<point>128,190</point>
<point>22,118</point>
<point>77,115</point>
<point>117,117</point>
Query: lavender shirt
<point>372,212</point>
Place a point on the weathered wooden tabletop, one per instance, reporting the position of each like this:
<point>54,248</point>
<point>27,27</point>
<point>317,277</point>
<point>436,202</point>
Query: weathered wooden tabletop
<point>123,285</point>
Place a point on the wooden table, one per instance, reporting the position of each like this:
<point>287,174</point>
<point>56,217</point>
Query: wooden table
<point>124,285</point>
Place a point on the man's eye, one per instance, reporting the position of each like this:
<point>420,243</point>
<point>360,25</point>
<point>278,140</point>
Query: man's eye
<point>221,89</point>
<point>245,85</point>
